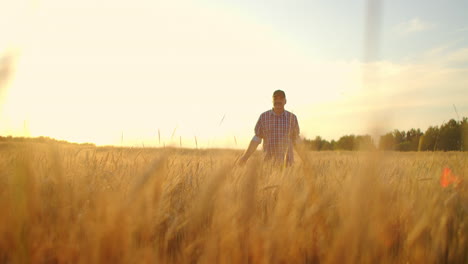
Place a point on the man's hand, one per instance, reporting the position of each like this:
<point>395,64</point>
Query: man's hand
<point>251,149</point>
<point>241,160</point>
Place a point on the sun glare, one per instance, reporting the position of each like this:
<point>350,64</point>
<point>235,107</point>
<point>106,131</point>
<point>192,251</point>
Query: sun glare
<point>91,71</point>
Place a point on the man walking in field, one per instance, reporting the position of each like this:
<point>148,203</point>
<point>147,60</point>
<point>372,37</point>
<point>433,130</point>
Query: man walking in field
<point>279,131</point>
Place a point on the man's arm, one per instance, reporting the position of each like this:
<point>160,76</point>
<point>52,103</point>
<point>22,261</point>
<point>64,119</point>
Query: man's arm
<point>256,140</point>
<point>251,149</point>
<point>298,143</point>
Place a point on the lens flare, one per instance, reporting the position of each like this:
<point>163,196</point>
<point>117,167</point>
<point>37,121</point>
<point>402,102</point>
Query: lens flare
<point>447,178</point>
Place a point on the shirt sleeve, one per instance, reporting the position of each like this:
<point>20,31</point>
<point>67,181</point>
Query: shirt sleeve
<point>295,129</point>
<point>259,129</point>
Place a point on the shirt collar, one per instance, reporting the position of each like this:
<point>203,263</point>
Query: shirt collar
<point>272,112</point>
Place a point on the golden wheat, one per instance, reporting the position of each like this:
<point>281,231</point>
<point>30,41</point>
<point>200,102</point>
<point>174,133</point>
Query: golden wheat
<point>69,204</point>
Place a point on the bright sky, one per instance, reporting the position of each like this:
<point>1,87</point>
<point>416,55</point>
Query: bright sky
<point>105,70</point>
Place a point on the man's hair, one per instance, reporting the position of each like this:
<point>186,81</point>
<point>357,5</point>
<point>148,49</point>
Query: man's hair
<point>279,93</point>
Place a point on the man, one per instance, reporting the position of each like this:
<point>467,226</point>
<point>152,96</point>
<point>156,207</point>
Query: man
<point>279,131</point>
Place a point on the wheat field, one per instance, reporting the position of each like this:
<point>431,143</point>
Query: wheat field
<point>72,204</point>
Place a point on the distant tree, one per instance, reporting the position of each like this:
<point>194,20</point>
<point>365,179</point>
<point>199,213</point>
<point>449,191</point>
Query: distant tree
<point>318,144</point>
<point>346,142</point>
<point>430,137</point>
<point>464,133</point>
<point>450,136</point>
<point>399,139</point>
<point>387,142</point>
<point>334,144</point>
<point>40,139</point>
<point>413,138</point>
<point>364,143</point>
<point>326,145</point>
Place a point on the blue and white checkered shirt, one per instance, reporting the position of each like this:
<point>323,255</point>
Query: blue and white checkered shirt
<point>279,133</point>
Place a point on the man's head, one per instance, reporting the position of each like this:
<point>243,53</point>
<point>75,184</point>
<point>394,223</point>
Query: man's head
<point>279,100</point>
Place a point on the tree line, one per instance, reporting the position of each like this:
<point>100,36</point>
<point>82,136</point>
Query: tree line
<point>450,136</point>
<point>41,140</point>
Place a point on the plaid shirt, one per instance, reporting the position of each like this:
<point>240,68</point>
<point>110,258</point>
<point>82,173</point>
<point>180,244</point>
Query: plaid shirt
<point>279,133</point>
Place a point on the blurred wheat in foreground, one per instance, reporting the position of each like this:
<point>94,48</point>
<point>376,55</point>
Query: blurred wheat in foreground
<point>69,204</point>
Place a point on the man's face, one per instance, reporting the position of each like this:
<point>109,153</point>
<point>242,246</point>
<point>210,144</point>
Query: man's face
<point>279,102</point>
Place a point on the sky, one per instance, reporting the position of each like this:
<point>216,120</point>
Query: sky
<point>199,73</point>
